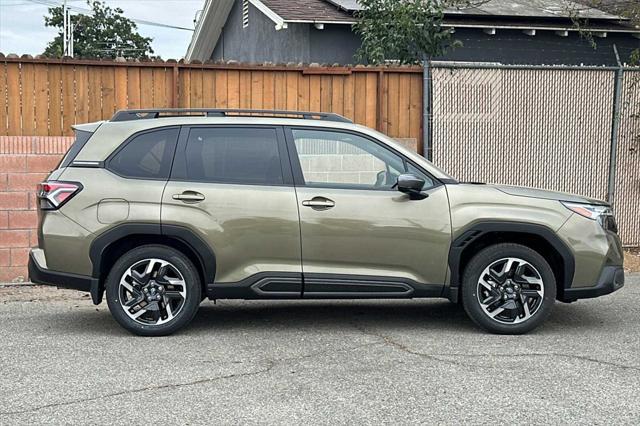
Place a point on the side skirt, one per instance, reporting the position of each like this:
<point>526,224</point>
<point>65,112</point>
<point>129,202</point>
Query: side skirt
<point>264,285</point>
<point>284,285</point>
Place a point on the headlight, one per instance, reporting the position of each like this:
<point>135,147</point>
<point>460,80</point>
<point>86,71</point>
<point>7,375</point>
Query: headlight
<point>600,213</point>
<point>591,211</point>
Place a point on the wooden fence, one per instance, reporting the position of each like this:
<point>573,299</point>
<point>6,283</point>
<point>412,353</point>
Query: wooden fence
<point>41,97</point>
<point>551,128</point>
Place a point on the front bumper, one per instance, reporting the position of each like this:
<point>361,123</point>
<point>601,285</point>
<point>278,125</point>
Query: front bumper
<point>611,279</point>
<point>39,274</point>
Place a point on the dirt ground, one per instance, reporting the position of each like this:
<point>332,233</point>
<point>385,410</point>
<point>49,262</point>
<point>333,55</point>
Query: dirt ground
<point>632,260</point>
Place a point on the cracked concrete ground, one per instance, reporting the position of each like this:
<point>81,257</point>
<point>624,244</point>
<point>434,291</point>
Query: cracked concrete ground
<point>64,360</point>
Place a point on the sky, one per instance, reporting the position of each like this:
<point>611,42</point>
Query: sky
<point>22,29</point>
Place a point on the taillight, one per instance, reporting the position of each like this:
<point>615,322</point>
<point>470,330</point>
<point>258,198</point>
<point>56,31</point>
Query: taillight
<point>52,194</point>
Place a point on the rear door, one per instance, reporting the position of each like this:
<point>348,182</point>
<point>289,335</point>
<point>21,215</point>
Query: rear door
<point>360,236</point>
<point>233,187</point>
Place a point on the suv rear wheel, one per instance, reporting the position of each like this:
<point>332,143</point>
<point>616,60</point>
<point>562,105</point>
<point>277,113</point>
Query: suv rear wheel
<point>153,290</point>
<point>508,289</point>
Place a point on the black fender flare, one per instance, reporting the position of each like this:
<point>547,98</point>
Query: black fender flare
<point>185,235</point>
<point>479,229</point>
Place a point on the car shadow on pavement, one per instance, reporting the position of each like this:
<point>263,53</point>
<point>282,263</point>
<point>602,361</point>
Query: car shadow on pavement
<point>331,315</point>
<point>336,316</point>
<point>292,315</point>
<point>437,315</point>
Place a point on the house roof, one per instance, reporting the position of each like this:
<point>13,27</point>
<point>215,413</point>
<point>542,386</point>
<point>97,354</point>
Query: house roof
<point>308,10</point>
<point>214,16</point>
<point>342,11</point>
<point>513,8</point>
<point>527,15</point>
<point>614,7</point>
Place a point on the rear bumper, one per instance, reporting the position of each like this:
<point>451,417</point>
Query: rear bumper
<point>611,279</point>
<point>39,274</point>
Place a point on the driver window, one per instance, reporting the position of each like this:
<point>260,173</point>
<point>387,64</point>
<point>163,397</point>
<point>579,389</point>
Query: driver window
<point>345,160</point>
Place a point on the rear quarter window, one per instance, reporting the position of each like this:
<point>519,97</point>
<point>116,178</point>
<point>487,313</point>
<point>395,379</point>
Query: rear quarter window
<point>146,155</point>
<point>81,140</point>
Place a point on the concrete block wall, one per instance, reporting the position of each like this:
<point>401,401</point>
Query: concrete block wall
<point>24,162</point>
<point>331,161</point>
<point>342,168</point>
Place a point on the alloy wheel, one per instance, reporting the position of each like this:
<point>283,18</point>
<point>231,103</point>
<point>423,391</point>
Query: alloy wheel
<point>152,291</point>
<point>510,290</point>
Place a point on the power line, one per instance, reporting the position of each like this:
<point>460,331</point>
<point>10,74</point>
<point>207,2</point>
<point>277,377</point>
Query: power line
<point>18,3</point>
<point>89,12</point>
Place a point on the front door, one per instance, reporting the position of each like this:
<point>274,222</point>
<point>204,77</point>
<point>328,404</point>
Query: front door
<point>233,187</point>
<point>361,237</point>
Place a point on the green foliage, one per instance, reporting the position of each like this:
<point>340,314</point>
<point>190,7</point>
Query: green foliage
<point>404,31</point>
<point>105,34</point>
<point>629,9</point>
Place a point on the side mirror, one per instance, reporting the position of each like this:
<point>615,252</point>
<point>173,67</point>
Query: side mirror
<point>412,185</point>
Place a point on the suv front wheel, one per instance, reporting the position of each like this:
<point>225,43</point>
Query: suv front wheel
<point>153,290</point>
<point>508,289</point>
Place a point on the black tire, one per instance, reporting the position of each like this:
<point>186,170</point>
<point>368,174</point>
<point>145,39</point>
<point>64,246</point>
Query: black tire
<point>488,256</point>
<point>185,268</point>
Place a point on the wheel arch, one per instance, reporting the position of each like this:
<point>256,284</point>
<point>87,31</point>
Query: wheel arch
<point>113,243</point>
<point>537,237</point>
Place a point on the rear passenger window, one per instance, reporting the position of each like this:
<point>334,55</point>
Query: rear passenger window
<point>233,155</point>
<point>146,156</point>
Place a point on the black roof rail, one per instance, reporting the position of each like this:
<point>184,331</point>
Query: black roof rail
<point>142,114</point>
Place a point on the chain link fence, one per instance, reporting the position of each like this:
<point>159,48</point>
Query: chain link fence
<point>543,127</point>
<point>627,198</point>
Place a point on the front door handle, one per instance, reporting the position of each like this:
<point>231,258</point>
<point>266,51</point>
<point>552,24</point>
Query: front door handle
<point>319,203</point>
<point>189,197</point>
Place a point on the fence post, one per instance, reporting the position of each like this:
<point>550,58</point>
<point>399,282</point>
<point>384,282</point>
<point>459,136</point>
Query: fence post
<point>174,86</point>
<point>615,127</point>
<point>380,99</point>
<point>427,109</point>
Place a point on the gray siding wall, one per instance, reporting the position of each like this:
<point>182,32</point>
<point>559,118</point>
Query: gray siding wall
<point>260,42</point>
<point>303,43</point>
<point>333,44</point>
<point>545,48</point>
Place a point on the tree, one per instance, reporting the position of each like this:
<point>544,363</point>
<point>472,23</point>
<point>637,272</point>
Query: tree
<point>403,31</point>
<point>102,33</point>
<point>628,9</point>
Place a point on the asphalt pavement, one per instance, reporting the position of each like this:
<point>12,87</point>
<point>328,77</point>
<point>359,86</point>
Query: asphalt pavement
<point>63,360</point>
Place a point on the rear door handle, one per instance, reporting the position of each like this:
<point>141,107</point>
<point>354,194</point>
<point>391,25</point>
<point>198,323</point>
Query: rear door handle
<point>319,203</point>
<point>189,197</point>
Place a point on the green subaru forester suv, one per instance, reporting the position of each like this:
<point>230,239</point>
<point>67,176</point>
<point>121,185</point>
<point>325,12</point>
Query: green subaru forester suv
<point>162,208</point>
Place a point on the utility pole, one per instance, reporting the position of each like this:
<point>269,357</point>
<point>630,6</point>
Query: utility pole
<point>67,31</point>
<point>71,27</point>
<point>64,28</point>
